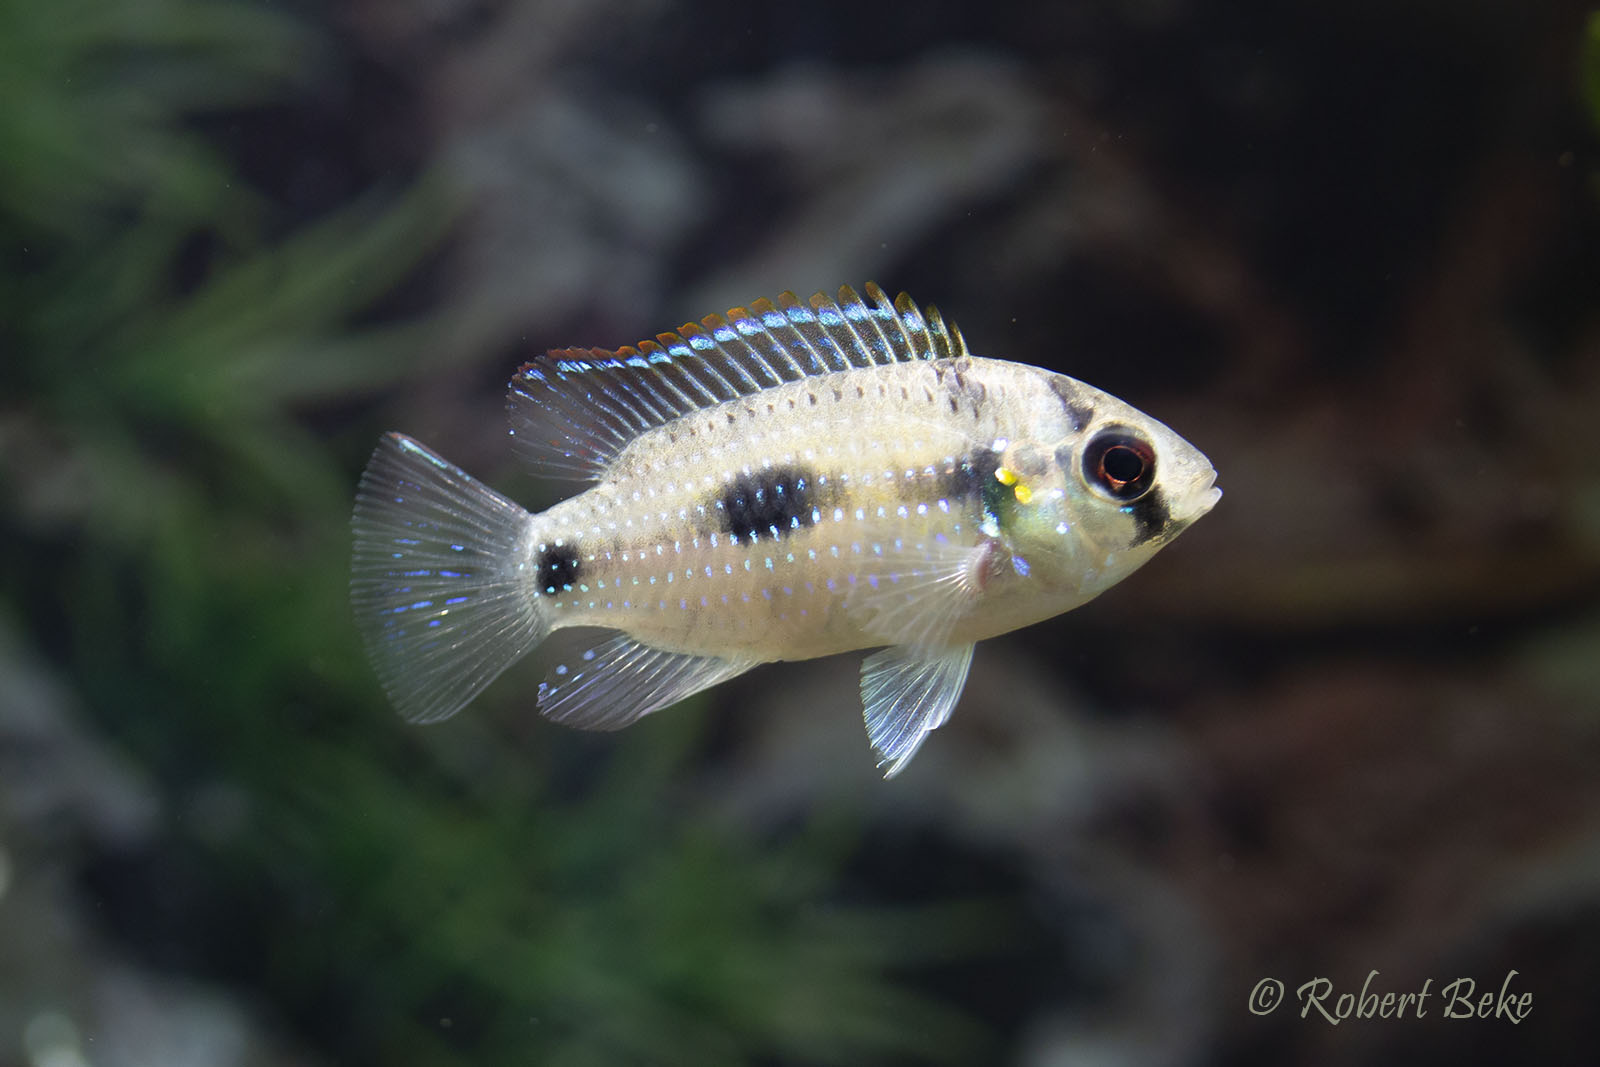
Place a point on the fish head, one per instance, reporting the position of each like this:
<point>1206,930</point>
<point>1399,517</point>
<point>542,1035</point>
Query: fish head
<point>1097,488</point>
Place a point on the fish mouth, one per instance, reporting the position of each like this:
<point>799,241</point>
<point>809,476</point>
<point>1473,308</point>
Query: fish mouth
<point>1208,496</point>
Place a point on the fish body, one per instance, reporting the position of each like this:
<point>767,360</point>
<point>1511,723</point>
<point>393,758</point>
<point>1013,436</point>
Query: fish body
<point>791,481</point>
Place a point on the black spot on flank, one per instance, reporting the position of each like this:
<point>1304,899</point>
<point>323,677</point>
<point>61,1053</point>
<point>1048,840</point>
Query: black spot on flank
<point>1150,517</point>
<point>558,566</point>
<point>970,476</point>
<point>1072,402</point>
<point>754,505</point>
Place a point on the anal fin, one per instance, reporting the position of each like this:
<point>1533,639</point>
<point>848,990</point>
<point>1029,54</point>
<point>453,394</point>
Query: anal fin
<point>619,681</point>
<point>906,693</point>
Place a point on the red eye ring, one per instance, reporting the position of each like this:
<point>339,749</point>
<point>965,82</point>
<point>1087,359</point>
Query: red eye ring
<point>1120,464</point>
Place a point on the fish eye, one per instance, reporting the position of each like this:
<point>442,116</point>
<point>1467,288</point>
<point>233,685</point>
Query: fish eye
<point>1120,464</point>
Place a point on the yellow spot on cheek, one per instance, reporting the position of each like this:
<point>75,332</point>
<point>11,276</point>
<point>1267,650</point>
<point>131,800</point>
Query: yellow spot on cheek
<point>1005,476</point>
<point>1024,494</point>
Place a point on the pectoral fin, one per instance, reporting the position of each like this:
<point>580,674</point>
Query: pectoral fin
<point>907,692</point>
<point>914,593</point>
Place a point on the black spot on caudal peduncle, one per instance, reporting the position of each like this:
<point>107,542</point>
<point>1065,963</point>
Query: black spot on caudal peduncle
<point>558,567</point>
<point>766,503</point>
<point>1150,517</point>
<point>970,476</point>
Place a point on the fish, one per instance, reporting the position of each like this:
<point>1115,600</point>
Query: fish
<point>791,480</point>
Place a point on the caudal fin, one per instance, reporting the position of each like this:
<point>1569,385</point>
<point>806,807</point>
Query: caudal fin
<point>436,585</point>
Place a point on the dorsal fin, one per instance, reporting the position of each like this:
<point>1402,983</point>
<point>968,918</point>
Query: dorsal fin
<point>574,410</point>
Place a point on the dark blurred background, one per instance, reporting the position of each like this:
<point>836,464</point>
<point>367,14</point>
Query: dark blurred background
<point>1349,723</point>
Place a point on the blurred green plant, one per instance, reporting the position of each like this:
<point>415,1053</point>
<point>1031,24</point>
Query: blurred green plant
<point>177,535</point>
<point>93,89</point>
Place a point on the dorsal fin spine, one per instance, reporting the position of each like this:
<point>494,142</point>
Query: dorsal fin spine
<point>679,356</point>
<point>811,338</point>
<point>644,411</point>
<point>786,339</point>
<point>856,312</point>
<point>822,316</point>
<point>885,312</point>
<point>829,317</point>
<point>944,345</point>
<point>780,328</point>
<point>729,341</point>
<point>642,388</point>
<point>760,365</point>
<point>618,402</point>
<point>758,368</point>
<point>710,380</point>
<point>671,349</point>
<point>736,350</point>
<point>909,316</point>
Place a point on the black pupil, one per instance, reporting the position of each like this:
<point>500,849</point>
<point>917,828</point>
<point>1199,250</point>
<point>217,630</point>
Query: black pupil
<point>1122,464</point>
